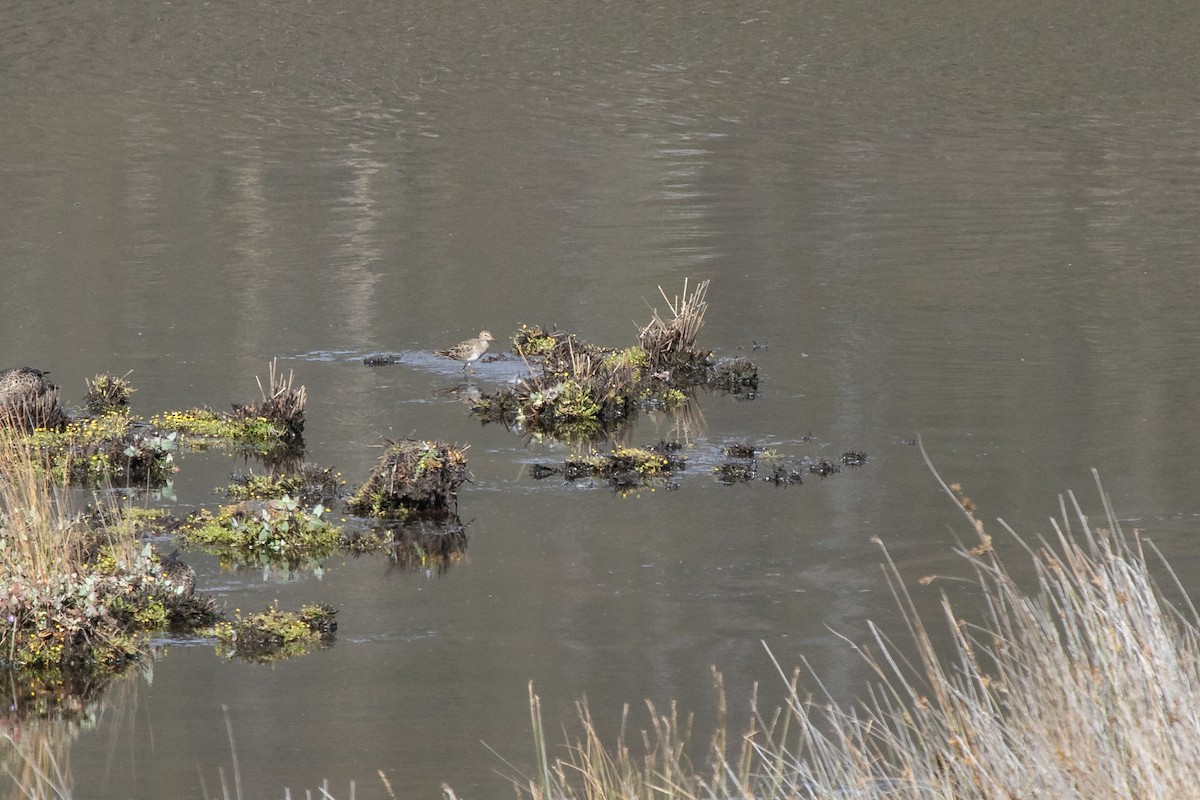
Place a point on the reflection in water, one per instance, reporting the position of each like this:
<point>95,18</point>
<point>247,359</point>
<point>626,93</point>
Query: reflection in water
<point>43,721</point>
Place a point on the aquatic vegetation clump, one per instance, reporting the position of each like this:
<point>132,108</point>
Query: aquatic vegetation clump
<point>273,634</point>
<point>271,427</point>
<point>308,485</point>
<point>282,406</point>
<point>624,467</point>
<point>113,449</point>
<point>532,341</point>
<point>278,531</point>
<point>823,468</point>
<point>854,458</point>
<point>76,598</point>
<point>93,620</point>
<point>413,476</point>
<point>107,393</point>
<point>203,427</point>
<point>743,462</point>
<point>110,446</point>
<point>580,391</point>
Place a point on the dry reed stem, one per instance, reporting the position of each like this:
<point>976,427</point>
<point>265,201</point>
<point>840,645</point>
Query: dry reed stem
<point>661,338</point>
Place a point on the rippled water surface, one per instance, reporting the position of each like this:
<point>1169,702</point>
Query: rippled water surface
<point>972,221</point>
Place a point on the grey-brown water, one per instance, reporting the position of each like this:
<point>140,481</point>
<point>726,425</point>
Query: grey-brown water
<point>975,222</point>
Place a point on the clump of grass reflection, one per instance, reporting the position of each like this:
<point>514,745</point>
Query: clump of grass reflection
<point>1085,686</point>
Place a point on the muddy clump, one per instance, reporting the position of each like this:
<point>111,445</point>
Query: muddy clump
<point>412,477</point>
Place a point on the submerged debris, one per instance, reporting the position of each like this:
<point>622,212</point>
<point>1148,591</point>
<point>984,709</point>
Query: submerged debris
<point>782,475</point>
<point>742,464</point>
<point>540,471</point>
<point>854,458</point>
<point>412,476</point>
<point>382,359</point>
<point>740,471</point>
<point>738,450</point>
<point>823,468</point>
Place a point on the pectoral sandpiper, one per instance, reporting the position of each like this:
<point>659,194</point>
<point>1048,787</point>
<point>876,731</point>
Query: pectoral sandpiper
<point>469,351</point>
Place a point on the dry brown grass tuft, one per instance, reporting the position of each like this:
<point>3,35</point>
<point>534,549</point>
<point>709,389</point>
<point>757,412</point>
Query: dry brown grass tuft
<point>666,341</point>
<point>1085,686</point>
<point>40,537</point>
<point>283,405</point>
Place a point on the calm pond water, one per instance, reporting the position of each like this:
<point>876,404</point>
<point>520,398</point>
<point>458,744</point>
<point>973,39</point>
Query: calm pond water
<point>975,222</point>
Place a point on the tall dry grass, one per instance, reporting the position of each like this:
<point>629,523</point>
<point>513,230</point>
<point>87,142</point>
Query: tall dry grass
<point>39,538</point>
<point>1085,684</point>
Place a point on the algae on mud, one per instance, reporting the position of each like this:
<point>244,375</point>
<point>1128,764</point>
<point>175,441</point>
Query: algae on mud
<point>273,634</point>
<point>623,467</point>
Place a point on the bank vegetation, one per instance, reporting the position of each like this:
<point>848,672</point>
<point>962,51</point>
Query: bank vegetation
<point>1083,683</point>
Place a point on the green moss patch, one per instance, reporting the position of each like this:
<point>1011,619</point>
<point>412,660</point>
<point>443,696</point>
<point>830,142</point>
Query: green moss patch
<point>272,635</point>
